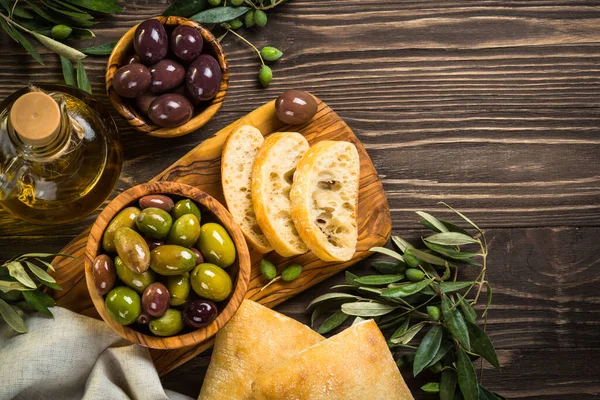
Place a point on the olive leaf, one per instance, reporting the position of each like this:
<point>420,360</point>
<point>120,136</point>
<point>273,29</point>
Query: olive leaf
<point>435,223</point>
<point>455,322</point>
<point>17,271</point>
<point>40,301</point>
<point>358,320</point>
<point>401,243</point>
<point>219,14</point>
<point>431,387</point>
<point>82,34</point>
<point>406,290</point>
<point>402,328</point>
<point>445,346</point>
<point>28,46</point>
<point>407,336</point>
<point>450,252</point>
<point>369,289</point>
<point>329,297</point>
<point>350,277</point>
<point>468,311</point>
<point>449,287</point>
<point>389,268</point>
<point>9,30</point>
<point>78,15</point>
<point>379,279</point>
<point>482,344</point>
<point>185,8</point>
<point>332,322</point>
<point>40,273</point>
<point>430,344</point>
<point>367,309</point>
<point>485,394</point>
<point>467,378</point>
<point>12,318</point>
<point>82,80</point>
<point>430,258</point>
<point>387,252</point>
<point>46,264</point>
<point>448,381</point>
<point>59,48</point>
<point>317,312</point>
<point>67,69</point>
<point>58,18</point>
<point>7,286</point>
<point>450,239</point>
<point>99,50</point>
<point>102,6</point>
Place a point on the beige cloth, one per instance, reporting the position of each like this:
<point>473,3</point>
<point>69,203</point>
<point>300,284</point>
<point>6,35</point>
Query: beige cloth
<point>75,357</point>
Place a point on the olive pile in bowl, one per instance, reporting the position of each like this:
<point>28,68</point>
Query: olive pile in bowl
<point>163,268</point>
<point>169,73</point>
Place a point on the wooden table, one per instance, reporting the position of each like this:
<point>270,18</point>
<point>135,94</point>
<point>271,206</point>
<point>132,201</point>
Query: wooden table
<point>492,106</point>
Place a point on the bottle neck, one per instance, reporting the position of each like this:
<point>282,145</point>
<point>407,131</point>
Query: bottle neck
<point>52,143</point>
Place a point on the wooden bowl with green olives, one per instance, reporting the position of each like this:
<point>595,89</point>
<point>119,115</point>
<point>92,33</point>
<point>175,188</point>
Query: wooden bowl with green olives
<point>167,76</point>
<point>166,265</point>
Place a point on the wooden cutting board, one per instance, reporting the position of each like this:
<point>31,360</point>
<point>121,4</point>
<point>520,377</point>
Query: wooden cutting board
<point>201,167</point>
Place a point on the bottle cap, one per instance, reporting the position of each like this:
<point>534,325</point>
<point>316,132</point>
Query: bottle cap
<point>35,117</point>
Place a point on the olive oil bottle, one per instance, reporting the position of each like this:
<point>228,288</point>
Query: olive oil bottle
<point>60,155</point>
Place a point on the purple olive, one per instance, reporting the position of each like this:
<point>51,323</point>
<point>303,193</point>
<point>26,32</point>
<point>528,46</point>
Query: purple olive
<point>166,75</point>
<point>150,41</point>
<point>199,256</point>
<point>203,78</point>
<point>144,100</point>
<point>131,80</point>
<point>157,201</point>
<point>134,59</point>
<point>104,273</point>
<point>295,107</point>
<point>199,313</point>
<point>154,243</point>
<point>171,110</point>
<point>155,299</point>
<point>143,319</point>
<point>186,42</point>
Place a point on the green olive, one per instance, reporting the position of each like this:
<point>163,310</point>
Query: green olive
<point>216,245</point>
<point>185,231</point>
<point>154,222</point>
<point>211,282</point>
<point>185,206</point>
<point>137,282</point>
<point>171,259</point>
<point>179,288</point>
<point>125,218</point>
<point>123,305</point>
<point>410,259</point>
<point>171,323</point>
<point>414,275</point>
<point>133,249</point>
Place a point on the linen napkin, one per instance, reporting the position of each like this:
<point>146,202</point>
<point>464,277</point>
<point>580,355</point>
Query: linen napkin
<point>75,357</point>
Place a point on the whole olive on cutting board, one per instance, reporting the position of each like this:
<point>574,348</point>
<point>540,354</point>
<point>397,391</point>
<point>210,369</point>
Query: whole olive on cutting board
<point>150,41</point>
<point>295,107</point>
<point>170,110</point>
<point>132,80</point>
<point>186,42</point>
<point>166,75</point>
<point>203,78</point>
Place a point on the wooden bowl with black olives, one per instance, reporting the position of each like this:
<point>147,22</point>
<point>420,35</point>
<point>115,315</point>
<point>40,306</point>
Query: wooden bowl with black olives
<point>167,76</point>
<point>166,266</point>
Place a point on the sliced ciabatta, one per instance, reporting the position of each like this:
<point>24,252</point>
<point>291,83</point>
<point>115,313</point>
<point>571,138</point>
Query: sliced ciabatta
<point>324,199</point>
<point>272,179</point>
<point>237,160</point>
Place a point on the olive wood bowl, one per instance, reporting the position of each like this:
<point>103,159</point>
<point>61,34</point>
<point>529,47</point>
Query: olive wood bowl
<point>202,113</point>
<point>239,271</point>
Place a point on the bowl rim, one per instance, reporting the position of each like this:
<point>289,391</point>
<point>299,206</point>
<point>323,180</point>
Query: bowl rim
<point>125,199</point>
<point>138,121</point>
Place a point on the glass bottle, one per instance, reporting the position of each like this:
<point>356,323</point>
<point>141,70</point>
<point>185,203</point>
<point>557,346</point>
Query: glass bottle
<point>60,155</point>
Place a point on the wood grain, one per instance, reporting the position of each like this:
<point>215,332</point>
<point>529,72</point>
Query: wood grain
<point>201,168</point>
<point>124,49</point>
<point>491,105</point>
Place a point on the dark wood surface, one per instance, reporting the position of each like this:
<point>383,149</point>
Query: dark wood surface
<point>492,106</point>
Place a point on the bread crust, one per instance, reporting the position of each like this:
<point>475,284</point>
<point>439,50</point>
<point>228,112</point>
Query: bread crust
<point>303,202</point>
<point>256,239</point>
<point>269,154</point>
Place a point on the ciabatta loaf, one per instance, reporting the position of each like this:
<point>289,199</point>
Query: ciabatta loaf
<point>324,199</point>
<point>237,160</point>
<point>272,178</point>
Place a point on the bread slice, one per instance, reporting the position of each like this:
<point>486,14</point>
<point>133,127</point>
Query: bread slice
<point>324,199</point>
<point>272,178</point>
<point>237,160</point>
